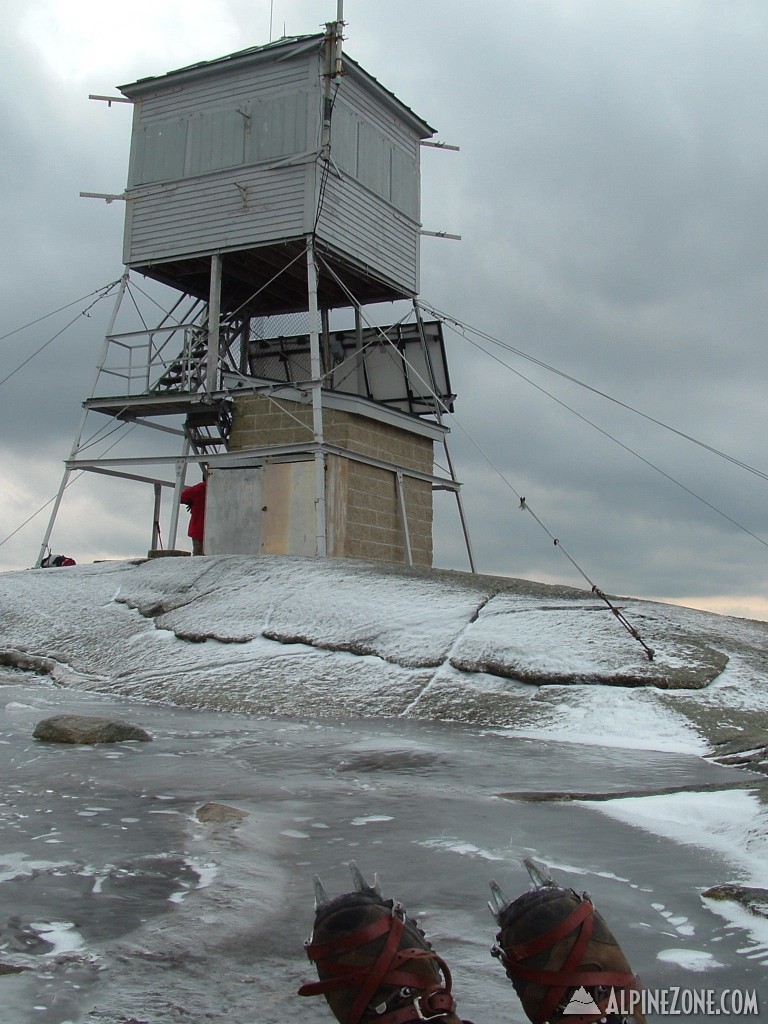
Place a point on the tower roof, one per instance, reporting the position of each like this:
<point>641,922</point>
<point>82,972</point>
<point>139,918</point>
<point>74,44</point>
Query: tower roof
<point>279,50</point>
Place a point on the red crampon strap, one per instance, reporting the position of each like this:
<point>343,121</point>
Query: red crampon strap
<point>559,981</point>
<point>428,1003</point>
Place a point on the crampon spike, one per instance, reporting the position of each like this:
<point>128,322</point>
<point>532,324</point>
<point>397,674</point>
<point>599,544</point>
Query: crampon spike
<point>499,900</point>
<point>321,896</point>
<point>360,883</point>
<point>539,872</point>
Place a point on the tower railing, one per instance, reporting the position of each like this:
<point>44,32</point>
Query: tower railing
<point>157,360</point>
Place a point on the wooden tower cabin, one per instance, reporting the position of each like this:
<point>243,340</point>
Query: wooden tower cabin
<point>277,192</point>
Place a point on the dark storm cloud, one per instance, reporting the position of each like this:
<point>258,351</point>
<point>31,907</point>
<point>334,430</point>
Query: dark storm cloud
<point>617,182</point>
<point>54,250</point>
<point>610,196</point>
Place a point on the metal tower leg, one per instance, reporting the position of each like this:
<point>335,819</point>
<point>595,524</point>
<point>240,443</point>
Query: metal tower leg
<point>462,517</point>
<point>433,385</point>
<point>404,514</point>
<point>317,404</point>
<point>52,520</point>
<point>362,383</point>
<point>155,540</point>
<point>214,326</point>
<point>181,472</point>
<point>428,360</point>
<point>79,436</point>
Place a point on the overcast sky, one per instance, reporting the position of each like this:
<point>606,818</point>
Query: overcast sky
<point>611,195</point>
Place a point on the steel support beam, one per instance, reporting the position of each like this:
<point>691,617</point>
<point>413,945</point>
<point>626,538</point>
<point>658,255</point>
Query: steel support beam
<point>462,517</point>
<point>404,514</point>
<point>78,437</point>
<point>317,403</point>
<point>214,330</point>
<point>181,469</point>
<point>155,541</point>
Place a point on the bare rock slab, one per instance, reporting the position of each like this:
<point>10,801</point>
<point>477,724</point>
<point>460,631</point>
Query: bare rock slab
<point>220,814</point>
<point>87,729</point>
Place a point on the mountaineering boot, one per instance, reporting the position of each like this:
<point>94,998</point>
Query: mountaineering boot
<point>373,962</point>
<point>562,958</point>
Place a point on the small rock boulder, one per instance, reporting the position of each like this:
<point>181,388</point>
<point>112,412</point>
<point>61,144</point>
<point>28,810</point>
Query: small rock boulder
<point>752,899</point>
<point>87,729</point>
<point>220,814</point>
<point>12,968</point>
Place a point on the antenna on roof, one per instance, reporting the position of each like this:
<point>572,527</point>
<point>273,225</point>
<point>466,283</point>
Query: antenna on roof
<point>334,34</point>
<point>339,38</point>
<point>334,39</point>
<point>271,12</point>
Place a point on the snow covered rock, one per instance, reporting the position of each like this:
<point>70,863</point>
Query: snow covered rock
<point>752,899</point>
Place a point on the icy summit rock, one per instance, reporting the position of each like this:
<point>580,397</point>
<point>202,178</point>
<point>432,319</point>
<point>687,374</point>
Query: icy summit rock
<point>752,899</point>
<point>87,729</point>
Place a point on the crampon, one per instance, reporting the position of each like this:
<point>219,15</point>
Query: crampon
<point>561,956</point>
<point>373,962</point>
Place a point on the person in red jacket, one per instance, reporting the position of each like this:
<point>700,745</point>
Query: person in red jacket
<point>194,498</point>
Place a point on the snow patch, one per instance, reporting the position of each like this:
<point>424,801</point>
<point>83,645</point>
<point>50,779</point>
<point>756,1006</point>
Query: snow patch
<point>63,936</point>
<point>732,823</point>
<point>460,846</point>
<point>696,960</point>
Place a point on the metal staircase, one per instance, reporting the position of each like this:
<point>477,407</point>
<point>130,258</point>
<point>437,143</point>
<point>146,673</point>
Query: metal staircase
<point>207,428</point>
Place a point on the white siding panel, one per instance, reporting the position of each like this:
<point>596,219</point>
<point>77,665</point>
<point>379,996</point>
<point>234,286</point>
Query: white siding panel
<point>198,216</point>
<point>217,141</point>
<point>267,128</point>
<point>405,183</point>
<point>159,150</point>
<point>358,223</point>
<point>370,110</point>
<point>278,126</point>
<point>229,88</point>
<point>235,117</point>
<point>345,128</point>
<point>375,155</point>
<point>373,160</point>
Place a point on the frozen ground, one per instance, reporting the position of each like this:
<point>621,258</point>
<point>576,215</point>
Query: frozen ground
<point>399,718</point>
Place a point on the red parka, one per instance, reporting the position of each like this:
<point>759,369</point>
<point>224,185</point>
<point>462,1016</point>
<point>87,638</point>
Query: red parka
<point>194,498</point>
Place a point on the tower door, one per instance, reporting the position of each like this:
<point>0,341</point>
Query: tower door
<point>288,510</point>
<point>261,510</point>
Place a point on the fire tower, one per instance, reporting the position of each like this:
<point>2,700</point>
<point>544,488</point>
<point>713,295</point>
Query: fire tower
<point>277,191</point>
